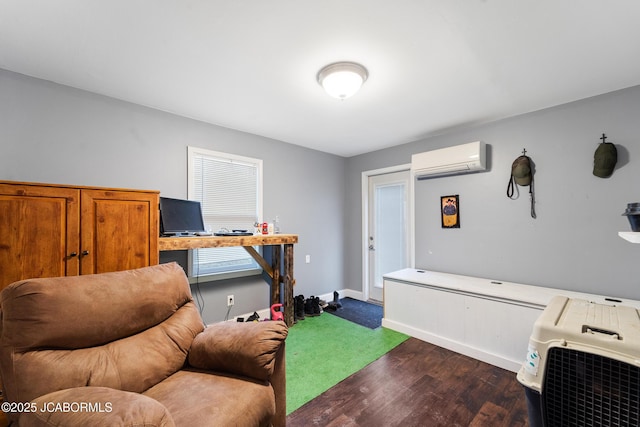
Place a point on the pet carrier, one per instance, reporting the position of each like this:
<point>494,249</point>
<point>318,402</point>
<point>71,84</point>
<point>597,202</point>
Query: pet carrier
<point>583,365</point>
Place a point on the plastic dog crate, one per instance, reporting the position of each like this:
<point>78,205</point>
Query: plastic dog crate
<point>583,365</point>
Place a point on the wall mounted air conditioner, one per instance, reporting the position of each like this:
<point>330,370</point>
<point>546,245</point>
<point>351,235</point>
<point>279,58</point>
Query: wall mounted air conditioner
<point>459,159</point>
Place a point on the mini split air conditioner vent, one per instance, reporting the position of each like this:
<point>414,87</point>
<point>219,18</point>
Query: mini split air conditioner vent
<point>465,158</point>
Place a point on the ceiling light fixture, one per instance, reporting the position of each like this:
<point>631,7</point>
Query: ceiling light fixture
<point>342,79</point>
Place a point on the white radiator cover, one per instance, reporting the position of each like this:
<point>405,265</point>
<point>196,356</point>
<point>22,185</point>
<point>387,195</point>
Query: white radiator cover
<point>486,319</point>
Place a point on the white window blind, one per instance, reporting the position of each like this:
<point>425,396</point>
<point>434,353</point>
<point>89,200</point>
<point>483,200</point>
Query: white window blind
<point>229,188</point>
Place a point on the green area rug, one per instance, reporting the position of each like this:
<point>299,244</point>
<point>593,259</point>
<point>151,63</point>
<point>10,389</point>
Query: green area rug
<point>324,350</point>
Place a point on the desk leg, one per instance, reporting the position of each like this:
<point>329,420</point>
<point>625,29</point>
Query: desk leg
<point>275,276</point>
<point>288,284</point>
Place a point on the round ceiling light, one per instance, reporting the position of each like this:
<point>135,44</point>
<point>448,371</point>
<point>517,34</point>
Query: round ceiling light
<point>342,79</point>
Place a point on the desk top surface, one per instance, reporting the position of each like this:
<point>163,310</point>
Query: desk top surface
<point>195,242</point>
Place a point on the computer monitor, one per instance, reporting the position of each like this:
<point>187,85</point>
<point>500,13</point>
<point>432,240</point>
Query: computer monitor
<point>180,217</point>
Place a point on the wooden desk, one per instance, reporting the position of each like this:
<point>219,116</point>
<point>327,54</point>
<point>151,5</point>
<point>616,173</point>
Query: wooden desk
<point>275,241</point>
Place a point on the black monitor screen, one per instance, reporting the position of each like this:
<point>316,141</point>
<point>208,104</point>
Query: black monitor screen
<point>180,217</point>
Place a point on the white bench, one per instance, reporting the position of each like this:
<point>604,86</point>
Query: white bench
<point>486,319</point>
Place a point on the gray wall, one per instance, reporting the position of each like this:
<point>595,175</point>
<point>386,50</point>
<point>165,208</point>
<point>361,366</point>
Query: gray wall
<point>51,133</point>
<point>573,244</point>
<point>55,134</point>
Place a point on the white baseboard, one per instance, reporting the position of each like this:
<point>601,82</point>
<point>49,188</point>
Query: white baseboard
<point>458,347</point>
<point>343,293</point>
<point>265,313</point>
<point>350,293</point>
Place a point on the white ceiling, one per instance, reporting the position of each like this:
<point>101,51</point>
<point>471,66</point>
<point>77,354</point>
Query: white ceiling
<point>251,65</point>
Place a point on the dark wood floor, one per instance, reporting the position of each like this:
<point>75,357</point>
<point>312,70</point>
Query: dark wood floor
<point>419,384</point>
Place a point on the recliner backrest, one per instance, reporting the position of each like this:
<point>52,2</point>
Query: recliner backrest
<point>126,330</point>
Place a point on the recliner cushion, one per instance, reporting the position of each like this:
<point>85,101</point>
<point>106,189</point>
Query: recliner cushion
<point>126,330</point>
<point>93,309</point>
<point>96,406</point>
<point>247,349</point>
<point>205,399</point>
<point>132,364</point>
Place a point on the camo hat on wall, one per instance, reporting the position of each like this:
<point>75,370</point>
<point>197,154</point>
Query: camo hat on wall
<point>522,174</point>
<point>521,170</point>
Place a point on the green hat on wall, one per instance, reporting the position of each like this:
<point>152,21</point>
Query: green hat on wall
<point>604,159</point>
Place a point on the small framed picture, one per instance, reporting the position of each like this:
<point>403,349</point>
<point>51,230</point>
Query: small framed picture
<point>450,211</point>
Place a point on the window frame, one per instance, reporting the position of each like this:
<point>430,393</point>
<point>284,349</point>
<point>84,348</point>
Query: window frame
<point>192,154</point>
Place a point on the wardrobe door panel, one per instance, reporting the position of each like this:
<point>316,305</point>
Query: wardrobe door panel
<point>39,232</point>
<point>119,230</point>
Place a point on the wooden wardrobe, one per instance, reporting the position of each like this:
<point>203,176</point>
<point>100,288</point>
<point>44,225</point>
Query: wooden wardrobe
<point>51,230</point>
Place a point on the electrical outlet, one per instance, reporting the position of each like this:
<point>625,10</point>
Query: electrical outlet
<point>307,259</point>
<point>230,300</point>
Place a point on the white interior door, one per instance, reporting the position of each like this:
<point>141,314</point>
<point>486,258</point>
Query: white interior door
<point>388,239</point>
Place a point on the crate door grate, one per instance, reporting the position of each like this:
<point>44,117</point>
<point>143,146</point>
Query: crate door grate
<point>584,389</point>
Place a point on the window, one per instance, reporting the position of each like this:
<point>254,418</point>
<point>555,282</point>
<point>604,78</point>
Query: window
<point>229,188</point>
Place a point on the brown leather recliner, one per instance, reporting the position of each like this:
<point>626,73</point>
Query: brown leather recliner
<point>130,348</point>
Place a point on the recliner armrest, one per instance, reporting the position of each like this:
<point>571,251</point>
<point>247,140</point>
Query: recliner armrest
<point>247,349</point>
<point>93,406</point>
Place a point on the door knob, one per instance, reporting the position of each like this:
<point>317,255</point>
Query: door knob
<point>371,248</point>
